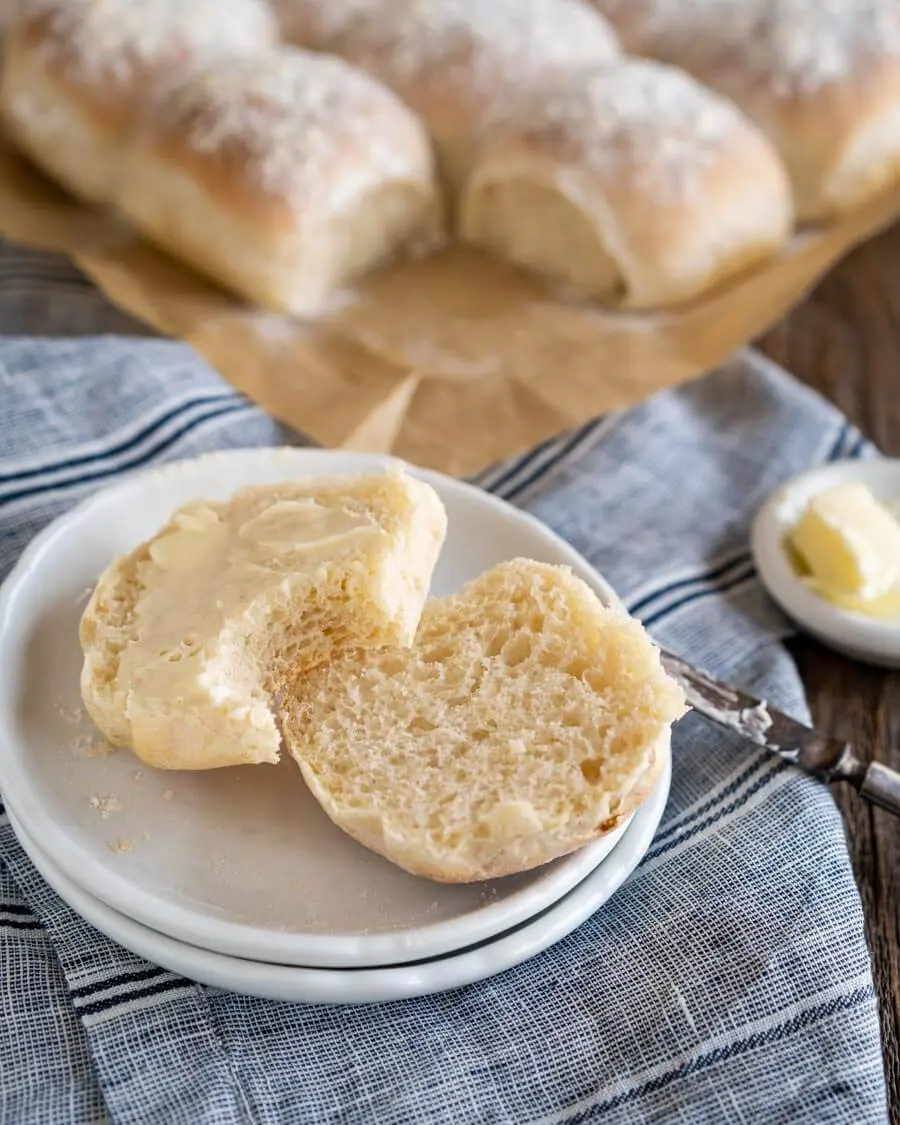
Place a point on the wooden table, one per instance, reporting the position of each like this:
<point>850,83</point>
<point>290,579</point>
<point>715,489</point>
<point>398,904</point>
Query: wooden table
<point>844,340</point>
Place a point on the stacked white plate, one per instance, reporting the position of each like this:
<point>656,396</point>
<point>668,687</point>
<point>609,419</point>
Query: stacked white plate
<point>235,877</point>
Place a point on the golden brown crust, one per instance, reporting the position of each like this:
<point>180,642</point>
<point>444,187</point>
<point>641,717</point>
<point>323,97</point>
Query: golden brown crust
<point>82,76</point>
<point>122,51</point>
<point>820,77</point>
<point>222,175</point>
<point>275,129</point>
<point>452,60</point>
<point>105,103</point>
<point>663,177</point>
<point>284,175</point>
<point>817,133</point>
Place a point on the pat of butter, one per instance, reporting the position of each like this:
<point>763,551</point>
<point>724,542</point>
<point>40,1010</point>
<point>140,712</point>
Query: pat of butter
<point>218,581</point>
<point>304,526</point>
<point>850,543</point>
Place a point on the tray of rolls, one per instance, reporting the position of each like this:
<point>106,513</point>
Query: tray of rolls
<point>450,228</point>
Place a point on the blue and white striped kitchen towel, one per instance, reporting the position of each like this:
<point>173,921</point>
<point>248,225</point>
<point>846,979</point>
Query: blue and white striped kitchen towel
<point>728,981</point>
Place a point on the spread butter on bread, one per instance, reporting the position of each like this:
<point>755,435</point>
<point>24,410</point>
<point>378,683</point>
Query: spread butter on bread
<point>188,638</point>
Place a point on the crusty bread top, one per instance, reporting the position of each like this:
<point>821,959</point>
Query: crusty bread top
<point>291,126</point>
<point>450,59</point>
<point>821,77</point>
<point>635,124</point>
<point>486,43</point>
<point>521,724</point>
<point>187,638</point>
<point>114,41</point>
<point>675,185</point>
<point>784,47</point>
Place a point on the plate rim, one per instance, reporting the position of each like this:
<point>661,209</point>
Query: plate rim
<point>234,938</point>
<point>382,984</point>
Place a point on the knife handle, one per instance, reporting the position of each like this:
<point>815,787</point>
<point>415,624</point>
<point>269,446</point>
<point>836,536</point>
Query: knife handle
<point>881,786</point>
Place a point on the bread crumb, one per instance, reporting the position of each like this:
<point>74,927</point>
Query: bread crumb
<point>146,834</point>
<point>74,716</point>
<point>119,846</point>
<point>168,795</point>
<point>90,746</point>
<point>98,749</point>
<point>139,775</point>
<point>106,805</point>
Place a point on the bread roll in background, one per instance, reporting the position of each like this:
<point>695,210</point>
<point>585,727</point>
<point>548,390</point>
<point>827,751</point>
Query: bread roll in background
<point>820,77</point>
<point>451,60</point>
<point>630,184</point>
<point>79,74</point>
<point>526,720</point>
<point>284,175</point>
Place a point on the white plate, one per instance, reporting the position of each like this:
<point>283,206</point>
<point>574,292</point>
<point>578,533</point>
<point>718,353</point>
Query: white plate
<point>869,639</point>
<point>242,861</point>
<point>363,986</point>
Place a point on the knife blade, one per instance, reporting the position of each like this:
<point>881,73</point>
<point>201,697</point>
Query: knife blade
<point>827,758</point>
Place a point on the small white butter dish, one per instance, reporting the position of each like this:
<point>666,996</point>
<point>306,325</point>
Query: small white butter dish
<point>871,639</point>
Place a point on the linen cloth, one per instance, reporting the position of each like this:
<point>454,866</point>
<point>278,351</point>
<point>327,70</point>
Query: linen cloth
<point>728,981</point>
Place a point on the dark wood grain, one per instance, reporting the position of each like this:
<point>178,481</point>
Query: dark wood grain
<point>844,340</point>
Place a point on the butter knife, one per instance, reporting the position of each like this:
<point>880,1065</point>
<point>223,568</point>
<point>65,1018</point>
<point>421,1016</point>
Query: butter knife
<point>826,758</point>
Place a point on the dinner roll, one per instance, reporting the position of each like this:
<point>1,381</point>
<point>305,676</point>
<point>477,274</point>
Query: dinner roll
<point>820,77</point>
<point>284,175</point>
<point>450,60</point>
<point>526,720</point>
<point>80,73</point>
<point>187,639</point>
<point>629,184</point>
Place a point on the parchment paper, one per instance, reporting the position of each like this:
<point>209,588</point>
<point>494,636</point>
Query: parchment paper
<point>451,362</point>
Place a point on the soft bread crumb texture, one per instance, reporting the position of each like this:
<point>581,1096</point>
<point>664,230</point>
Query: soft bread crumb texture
<point>187,640</point>
<point>526,720</point>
